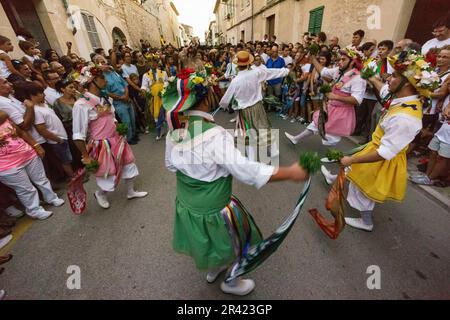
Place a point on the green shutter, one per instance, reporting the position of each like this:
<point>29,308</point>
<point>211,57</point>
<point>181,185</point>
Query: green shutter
<point>315,20</point>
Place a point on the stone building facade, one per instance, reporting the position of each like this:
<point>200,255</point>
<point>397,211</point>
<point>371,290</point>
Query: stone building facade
<point>289,19</point>
<point>89,24</point>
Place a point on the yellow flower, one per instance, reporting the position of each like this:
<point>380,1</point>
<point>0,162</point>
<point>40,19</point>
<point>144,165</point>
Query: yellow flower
<point>198,80</point>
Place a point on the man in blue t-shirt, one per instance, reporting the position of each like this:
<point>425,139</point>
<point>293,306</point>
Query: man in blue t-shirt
<point>275,62</point>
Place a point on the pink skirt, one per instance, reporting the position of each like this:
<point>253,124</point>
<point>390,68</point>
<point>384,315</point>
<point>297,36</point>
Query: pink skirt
<point>112,154</point>
<point>341,120</point>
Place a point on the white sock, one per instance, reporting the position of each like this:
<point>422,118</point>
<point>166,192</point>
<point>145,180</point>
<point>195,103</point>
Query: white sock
<point>304,134</point>
<point>102,193</point>
<point>130,186</point>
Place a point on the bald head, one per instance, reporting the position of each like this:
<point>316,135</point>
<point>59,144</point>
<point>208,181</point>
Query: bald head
<point>334,41</point>
<point>402,45</point>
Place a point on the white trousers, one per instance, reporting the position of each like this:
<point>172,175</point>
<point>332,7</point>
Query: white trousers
<point>357,200</point>
<point>129,171</point>
<point>23,180</point>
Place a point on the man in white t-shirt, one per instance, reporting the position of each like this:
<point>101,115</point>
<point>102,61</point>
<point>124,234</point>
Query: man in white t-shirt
<point>22,114</point>
<point>287,58</point>
<point>51,94</point>
<point>441,31</point>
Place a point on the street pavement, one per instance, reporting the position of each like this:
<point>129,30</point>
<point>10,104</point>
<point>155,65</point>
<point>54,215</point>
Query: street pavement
<point>125,252</point>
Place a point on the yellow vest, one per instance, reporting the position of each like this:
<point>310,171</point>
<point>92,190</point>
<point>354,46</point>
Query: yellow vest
<point>387,179</point>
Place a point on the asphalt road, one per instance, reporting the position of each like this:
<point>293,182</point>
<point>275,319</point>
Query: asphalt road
<point>125,252</point>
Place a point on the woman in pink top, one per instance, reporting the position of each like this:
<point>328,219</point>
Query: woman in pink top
<point>21,167</point>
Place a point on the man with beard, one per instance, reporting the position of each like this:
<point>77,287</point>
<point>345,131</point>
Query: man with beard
<point>348,91</point>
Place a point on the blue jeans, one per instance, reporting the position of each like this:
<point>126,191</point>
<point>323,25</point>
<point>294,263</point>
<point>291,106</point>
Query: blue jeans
<point>160,122</point>
<point>126,114</point>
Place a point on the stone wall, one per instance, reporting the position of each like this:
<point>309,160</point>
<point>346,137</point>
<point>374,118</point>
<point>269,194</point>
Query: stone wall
<point>341,18</point>
<point>141,24</point>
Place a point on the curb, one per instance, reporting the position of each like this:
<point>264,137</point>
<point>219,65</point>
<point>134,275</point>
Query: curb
<point>442,199</point>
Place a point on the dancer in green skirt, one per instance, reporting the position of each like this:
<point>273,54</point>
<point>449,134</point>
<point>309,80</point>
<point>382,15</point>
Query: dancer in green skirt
<point>205,160</point>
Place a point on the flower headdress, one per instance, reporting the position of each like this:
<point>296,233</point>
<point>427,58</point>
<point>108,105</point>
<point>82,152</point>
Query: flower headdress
<point>355,55</point>
<point>418,72</point>
<point>88,74</point>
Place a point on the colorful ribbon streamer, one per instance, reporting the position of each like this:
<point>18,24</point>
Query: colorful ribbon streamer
<point>252,257</point>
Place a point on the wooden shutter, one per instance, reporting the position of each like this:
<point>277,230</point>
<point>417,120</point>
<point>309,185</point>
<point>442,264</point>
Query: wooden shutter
<point>315,20</point>
<point>91,29</point>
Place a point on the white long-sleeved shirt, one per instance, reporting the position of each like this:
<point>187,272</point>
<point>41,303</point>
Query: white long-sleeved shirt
<point>212,155</point>
<point>356,87</point>
<point>245,89</point>
<point>82,113</point>
<point>399,129</point>
<point>147,81</point>
<point>231,71</point>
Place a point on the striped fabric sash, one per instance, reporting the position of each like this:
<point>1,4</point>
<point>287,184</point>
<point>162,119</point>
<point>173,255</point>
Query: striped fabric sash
<point>238,219</point>
<point>173,117</point>
<point>252,257</point>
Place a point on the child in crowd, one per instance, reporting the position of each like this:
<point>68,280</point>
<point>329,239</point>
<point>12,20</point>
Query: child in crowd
<point>30,54</point>
<point>138,99</point>
<point>50,127</point>
<point>288,92</point>
<point>6,66</point>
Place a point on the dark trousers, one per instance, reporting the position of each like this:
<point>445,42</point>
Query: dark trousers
<point>363,117</point>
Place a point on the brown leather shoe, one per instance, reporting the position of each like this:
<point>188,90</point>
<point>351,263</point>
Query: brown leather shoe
<point>5,259</point>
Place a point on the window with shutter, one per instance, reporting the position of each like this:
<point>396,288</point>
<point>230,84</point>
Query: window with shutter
<point>91,29</point>
<point>315,20</point>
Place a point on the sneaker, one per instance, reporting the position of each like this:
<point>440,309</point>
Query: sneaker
<point>293,120</point>
<point>14,212</point>
<point>102,200</point>
<point>41,214</point>
<point>4,241</point>
<point>291,138</point>
<point>2,294</point>
<point>422,180</point>
<point>146,131</point>
<point>329,178</point>
<point>158,138</point>
<point>240,288</point>
<point>212,276</point>
<point>358,223</point>
<point>415,175</point>
<point>58,202</point>
<point>284,116</point>
<point>233,120</point>
<point>137,194</point>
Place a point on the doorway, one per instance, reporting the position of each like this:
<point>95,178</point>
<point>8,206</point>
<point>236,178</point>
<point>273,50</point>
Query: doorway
<point>270,26</point>
<point>23,15</point>
<point>421,25</point>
